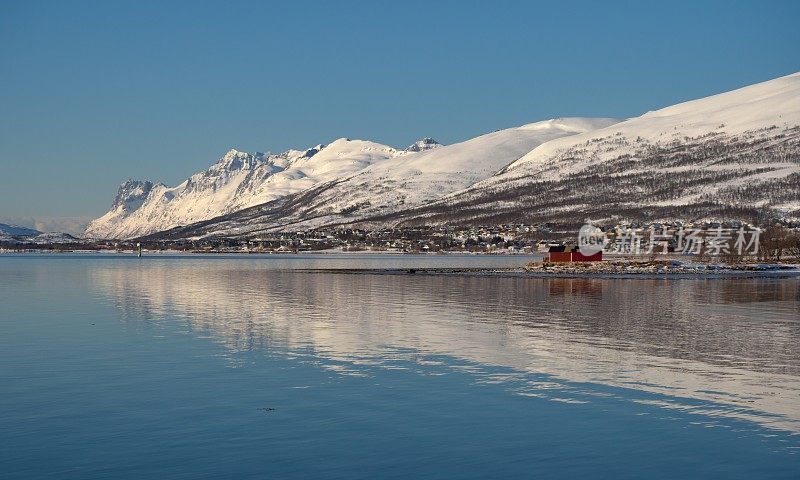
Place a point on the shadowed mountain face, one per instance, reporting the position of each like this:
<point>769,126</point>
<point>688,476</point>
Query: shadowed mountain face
<point>718,348</point>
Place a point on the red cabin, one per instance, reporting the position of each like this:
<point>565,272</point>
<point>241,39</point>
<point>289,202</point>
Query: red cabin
<point>579,257</point>
<point>562,254</point>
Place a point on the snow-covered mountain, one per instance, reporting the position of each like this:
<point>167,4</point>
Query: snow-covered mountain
<point>16,235</point>
<point>238,180</point>
<point>422,145</point>
<point>356,175</point>
<point>735,154</point>
<point>52,238</point>
<point>17,231</point>
<point>410,179</point>
<point>413,180</point>
<point>732,155</point>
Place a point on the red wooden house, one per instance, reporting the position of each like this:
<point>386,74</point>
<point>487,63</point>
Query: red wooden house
<point>565,254</point>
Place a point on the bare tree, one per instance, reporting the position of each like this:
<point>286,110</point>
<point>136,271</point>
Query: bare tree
<point>775,240</point>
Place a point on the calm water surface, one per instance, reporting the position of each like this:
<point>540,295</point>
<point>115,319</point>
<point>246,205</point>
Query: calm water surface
<point>241,367</point>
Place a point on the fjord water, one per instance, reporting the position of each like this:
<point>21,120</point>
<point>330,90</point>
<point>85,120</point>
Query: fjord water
<point>245,367</point>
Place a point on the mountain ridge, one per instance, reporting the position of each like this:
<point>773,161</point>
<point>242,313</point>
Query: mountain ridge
<point>235,181</point>
<point>239,180</point>
<point>735,153</point>
<point>17,231</point>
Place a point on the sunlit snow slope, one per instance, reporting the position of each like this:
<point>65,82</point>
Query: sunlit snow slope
<point>238,180</point>
<point>410,180</point>
<point>735,155</point>
<point>732,155</point>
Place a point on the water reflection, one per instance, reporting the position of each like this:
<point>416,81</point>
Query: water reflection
<point>718,348</point>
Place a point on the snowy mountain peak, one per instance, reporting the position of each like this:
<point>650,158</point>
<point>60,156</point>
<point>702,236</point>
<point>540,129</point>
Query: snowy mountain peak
<point>235,160</point>
<point>237,180</point>
<point>733,149</point>
<point>571,124</point>
<point>233,153</point>
<point>426,143</point>
<point>363,150</point>
<point>131,194</point>
<point>313,151</point>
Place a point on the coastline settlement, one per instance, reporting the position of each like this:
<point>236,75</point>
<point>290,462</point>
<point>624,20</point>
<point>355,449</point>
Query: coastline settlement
<point>734,241</point>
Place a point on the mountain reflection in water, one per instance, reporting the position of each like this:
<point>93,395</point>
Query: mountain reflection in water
<point>726,348</point>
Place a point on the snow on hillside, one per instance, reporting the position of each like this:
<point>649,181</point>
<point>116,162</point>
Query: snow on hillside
<point>15,235</point>
<point>17,231</point>
<point>427,175</point>
<point>736,150</point>
<point>238,180</point>
<point>776,102</point>
<point>732,155</point>
<point>408,181</point>
<point>421,145</point>
<point>53,238</point>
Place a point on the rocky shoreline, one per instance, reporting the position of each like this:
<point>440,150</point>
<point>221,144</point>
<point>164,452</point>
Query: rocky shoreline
<point>615,269</point>
<point>658,267</point>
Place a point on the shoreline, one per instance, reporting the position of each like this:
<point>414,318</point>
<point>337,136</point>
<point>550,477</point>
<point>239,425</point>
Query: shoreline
<point>620,269</point>
<point>522,273</point>
<point>267,253</point>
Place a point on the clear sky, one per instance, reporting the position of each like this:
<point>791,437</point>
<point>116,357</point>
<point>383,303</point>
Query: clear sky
<point>92,93</point>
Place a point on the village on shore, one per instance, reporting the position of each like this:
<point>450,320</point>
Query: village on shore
<point>650,248</point>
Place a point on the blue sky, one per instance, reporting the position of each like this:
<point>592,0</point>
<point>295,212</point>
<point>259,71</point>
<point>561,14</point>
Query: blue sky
<point>96,92</point>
